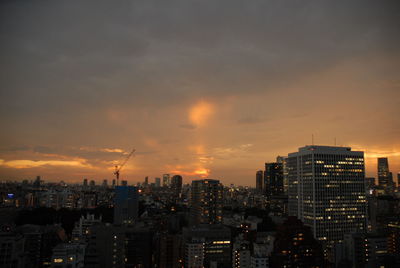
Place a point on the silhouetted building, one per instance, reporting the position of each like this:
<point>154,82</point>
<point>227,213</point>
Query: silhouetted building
<point>169,250</point>
<point>327,190</point>
<point>385,177</point>
<point>138,248</point>
<point>106,247</point>
<point>125,204</point>
<point>295,246</point>
<point>206,202</point>
<point>146,181</point>
<point>157,182</point>
<point>259,181</point>
<point>273,179</point>
<point>105,184</point>
<point>11,250</point>
<point>176,183</point>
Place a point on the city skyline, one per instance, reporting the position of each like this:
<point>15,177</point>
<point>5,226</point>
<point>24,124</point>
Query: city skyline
<point>200,89</point>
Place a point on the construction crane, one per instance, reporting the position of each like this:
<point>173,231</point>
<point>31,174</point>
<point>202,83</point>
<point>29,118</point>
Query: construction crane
<point>118,168</point>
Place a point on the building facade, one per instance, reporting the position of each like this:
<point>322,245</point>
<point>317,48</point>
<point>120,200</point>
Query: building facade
<point>206,202</point>
<point>327,190</point>
<point>125,204</point>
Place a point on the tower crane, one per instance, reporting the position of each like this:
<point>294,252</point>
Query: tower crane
<point>118,168</point>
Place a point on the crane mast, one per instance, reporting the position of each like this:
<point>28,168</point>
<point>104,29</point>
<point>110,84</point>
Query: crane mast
<point>118,168</point>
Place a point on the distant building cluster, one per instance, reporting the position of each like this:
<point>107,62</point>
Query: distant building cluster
<point>311,208</point>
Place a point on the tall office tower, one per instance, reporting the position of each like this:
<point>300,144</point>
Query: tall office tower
<point>85,183</point>
<point>92,183</point>
<point>146,181</point>
<point>176,183</point>
<point>157,182</point>
<point>385,177</point>
<point>105,184</point>
<point>206,202</point>
<point>327,190</point>
<point>166,180</point>
<point>273,179</point>
<point>125,204</point>
<point>283,160</point>
<point>259,181</point>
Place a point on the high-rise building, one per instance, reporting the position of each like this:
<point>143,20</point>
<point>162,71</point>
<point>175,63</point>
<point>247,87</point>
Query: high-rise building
<point>146,181</point>
<point>85,183</point>
<point>92,183</point>
<point>157,182</point>
<point>206,201</point>
<point>283,160</point>
<point>166,180</point>
<point>125,204</point>
<point>176,183</point>
<point>105,184</point>
<point>273,179</point>
<point>327,190</point>
<point>385,177</point>
<point>259,181</point>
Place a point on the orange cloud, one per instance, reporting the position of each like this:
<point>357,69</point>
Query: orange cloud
<point>200,113</point>
<point>20,164</point>
<point>116,150</point>
<point>203,172</point>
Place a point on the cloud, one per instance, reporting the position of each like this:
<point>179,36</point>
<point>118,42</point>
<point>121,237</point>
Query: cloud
<point>200,113</point>
<point>22,164</point>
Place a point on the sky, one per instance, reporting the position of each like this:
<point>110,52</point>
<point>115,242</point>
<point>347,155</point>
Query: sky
<point>205,89</point>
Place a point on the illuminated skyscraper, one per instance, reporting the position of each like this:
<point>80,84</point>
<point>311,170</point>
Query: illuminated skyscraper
<point>206,202</point>
<point>327,190</point>
<point>259,181</point>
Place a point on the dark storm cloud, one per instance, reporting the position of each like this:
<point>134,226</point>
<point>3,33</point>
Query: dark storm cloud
<point>63,54</point>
